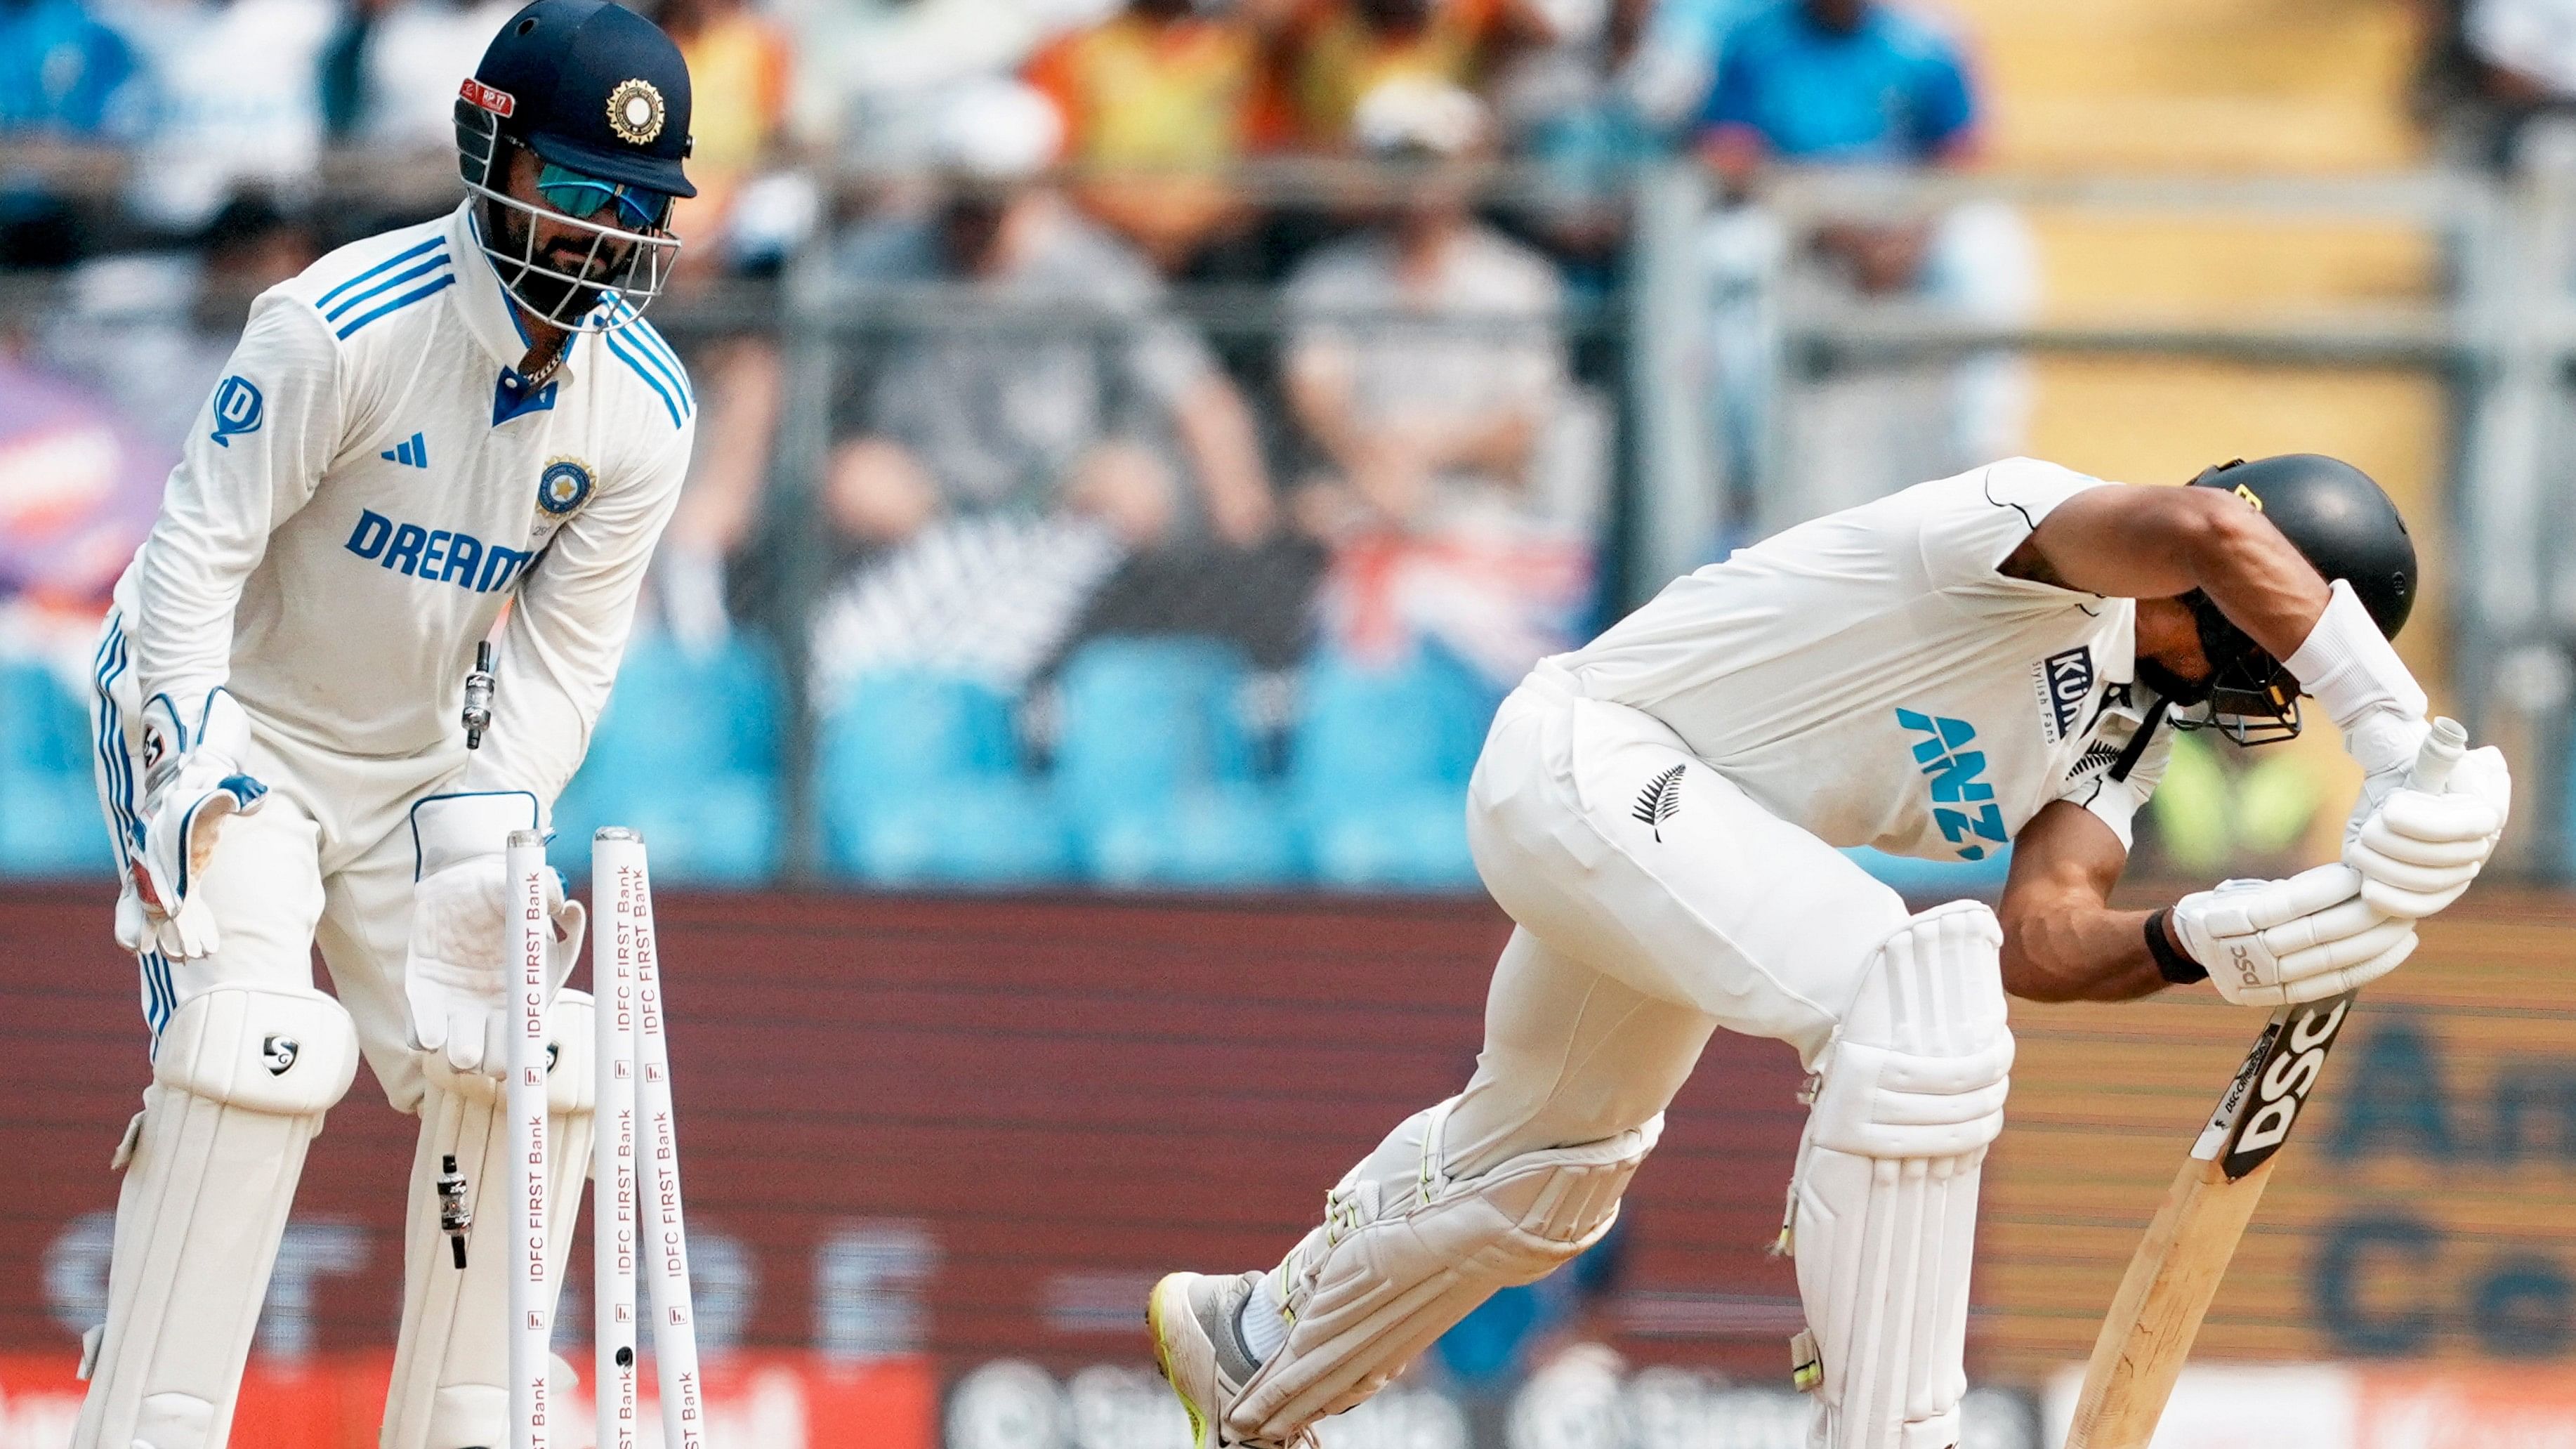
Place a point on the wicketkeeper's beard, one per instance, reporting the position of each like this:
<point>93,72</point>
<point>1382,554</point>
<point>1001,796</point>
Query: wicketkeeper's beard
<point>557,299</point>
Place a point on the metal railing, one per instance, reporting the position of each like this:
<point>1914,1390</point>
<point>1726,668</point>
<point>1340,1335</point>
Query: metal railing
<point>2496,332</point>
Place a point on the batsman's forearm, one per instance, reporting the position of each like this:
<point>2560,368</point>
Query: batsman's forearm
<point>2262,584</point>
<point>2082,954</point>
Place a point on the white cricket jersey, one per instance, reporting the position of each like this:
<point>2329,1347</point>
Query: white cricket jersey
<point>1873,678</point>
<point>373,481</point>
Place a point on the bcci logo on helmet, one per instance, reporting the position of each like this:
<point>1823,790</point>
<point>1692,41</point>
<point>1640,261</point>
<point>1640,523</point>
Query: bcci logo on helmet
<point>635,112</point>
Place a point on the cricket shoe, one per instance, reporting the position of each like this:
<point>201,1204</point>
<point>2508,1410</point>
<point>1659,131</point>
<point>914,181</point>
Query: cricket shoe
<point>1196,1321</point>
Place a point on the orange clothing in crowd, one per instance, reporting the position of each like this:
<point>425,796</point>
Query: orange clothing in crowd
<point>1160,95</point>
<point>738,75</point>
<point>1169,100</point>
<point>1335,56</point>
<point>739,69</point>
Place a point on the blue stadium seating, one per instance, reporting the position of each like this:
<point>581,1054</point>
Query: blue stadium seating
<point>49,815</point>
<point>687,753</point>
<point>1378,770</point>
<point>918,773</point>
<point>1153,768</point>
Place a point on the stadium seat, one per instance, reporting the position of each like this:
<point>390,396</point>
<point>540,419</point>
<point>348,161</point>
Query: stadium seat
<point>1153,768</point>
<point>49,815</point>
<point>1412,839</point>
<point>1143,718</point>
<point>1234,835</point>
<point>1378,770</point>
<point>686,752</point>
<point>919,778</point>
<point>992,831</point>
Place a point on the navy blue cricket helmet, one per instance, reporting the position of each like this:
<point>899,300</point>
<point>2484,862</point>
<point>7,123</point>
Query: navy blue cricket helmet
<point>600,96</point>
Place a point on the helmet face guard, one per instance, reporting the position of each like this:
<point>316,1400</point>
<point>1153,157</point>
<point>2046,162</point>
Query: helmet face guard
<point>2344,525</point>
<point>2247,697</point>
<point>628,264</point>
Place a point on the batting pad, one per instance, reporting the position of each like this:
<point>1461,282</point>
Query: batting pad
<point>240,1082</point>
<point>1405,1251</point>
<point>1883,1204</point>
<point>451,1378</point>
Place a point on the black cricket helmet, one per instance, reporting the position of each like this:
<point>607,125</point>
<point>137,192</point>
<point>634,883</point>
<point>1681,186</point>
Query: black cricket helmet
<point>2344,525</point>
<point>599,96</point>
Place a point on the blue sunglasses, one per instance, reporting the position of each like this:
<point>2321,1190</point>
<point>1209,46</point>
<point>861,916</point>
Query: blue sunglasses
<point>577,195</point>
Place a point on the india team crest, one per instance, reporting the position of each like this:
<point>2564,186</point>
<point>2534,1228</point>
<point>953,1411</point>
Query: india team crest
<point>562,489</point>
<point>635,112</point>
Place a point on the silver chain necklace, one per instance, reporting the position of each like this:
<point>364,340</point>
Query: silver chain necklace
<point>537,379</point>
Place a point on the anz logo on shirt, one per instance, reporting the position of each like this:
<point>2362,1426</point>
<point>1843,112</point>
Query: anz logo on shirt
<point>435,553</point>
<point>1962,803</point>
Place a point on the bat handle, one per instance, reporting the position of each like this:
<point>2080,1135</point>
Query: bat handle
<point>2443,746</point>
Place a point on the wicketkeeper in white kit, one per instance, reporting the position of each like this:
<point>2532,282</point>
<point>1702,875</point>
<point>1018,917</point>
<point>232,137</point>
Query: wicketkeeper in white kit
<point>424,428</point>
<point>1984,659</point>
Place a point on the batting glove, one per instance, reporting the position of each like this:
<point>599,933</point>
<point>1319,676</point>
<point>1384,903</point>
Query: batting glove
<point>2279,942</point>
<point>192,781</point>
<point>2417,850</point>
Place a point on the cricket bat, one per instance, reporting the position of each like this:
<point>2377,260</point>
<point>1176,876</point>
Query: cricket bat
<point>2147,1335</point>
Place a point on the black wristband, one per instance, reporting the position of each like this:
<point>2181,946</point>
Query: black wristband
<point>2171,964</point>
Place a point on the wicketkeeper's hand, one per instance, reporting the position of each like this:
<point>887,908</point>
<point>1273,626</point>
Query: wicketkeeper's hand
<point>460,970</point>
<point>2277,942</point>
<point>192,780</point>
<point>2418,849</point>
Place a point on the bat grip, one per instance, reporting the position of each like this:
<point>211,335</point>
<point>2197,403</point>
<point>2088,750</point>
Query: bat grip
<point>2443,746</point>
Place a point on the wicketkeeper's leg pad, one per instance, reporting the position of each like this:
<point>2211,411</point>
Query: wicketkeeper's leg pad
<point>451,1380</point>
<point>1405,1251</point>
<point>240,1083</point>
<point>1883,1205</point>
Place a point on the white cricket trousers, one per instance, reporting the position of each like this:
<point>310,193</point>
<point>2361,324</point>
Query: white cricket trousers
<point>327,860</point>
<point>1647,917</point>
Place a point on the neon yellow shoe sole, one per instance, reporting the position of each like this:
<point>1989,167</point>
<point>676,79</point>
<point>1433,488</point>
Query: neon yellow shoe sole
<point>1177,1337</point>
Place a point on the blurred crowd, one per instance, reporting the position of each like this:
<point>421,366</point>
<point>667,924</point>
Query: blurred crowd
<point>1229,375</point>
<point>2496,72</point>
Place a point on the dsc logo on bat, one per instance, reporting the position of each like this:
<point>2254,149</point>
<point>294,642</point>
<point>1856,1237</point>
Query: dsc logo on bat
<point>2286,1081</point>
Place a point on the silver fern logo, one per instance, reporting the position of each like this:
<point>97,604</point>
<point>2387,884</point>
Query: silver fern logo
<point>1660,801</point>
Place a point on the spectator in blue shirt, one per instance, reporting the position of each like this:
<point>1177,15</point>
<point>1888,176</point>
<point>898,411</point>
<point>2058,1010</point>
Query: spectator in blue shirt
<point>1837,81</point>
<point>63,74</point>
<point>1859,83</point>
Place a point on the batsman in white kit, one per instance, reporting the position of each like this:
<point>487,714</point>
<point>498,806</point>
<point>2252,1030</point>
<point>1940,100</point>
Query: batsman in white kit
<point>1984,659</point>
<point>425,428</point>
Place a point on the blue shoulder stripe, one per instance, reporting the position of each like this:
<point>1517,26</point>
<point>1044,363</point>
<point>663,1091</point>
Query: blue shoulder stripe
<point>380,269</point>
<point>446,280</point>
<point>388,284</point>
<point>655,347</point>
<point>636,362</point>
<point>670,370</point>
<point>651,344</point>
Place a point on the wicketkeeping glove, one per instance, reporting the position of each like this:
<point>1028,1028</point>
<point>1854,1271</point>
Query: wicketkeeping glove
<point>459,972</point>
<point>2418,849</point>
<point>192,781</point>
<point>2278,942</point>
